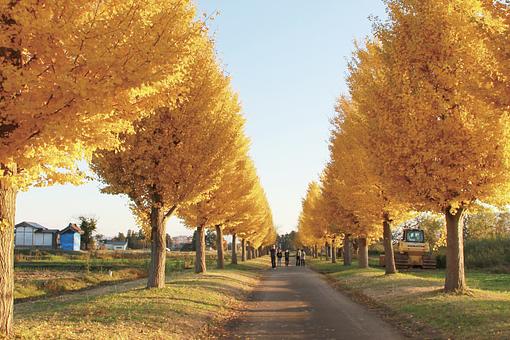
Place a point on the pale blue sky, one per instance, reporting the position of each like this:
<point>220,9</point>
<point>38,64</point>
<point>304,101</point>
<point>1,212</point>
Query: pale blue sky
<point>287,59</point>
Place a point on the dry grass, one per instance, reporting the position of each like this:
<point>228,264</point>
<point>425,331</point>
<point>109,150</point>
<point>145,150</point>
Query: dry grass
<point>187,308</point>
<point>39,283</point>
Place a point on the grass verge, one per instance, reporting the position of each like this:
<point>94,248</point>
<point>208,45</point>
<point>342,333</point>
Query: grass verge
<point>47,275</point>
<point>189,307</point>
<point>35,284</point>
<point>418,305</point>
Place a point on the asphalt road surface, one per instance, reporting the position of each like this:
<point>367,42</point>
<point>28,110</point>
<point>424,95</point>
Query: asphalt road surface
<point>296,303</point>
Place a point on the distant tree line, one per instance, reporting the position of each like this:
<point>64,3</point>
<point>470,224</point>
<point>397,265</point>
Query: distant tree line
<point>287,241</point>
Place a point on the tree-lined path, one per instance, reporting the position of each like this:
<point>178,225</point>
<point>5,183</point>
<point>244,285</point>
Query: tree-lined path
<point>297,303</point>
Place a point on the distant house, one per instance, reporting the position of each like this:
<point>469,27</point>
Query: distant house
<point>179,241</point>
<point>115,245</point>
<point>70,237</point>
<point>34,235</point>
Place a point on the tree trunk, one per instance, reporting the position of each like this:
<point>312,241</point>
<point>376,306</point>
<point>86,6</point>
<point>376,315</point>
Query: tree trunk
<point>389,256</point>
<point>7,213</point>
<point>362,252</point>
<point>354,246</point>
<point>455,277</point>
<point>248,251</point>
<point>315,251</point>
<point>347,250</point>
<point>219,246</point>
<point>234,249</point>
<point>200,266</point>
<point>333,250</point>
<point>326,248</point>
<point>243,249</point>
<point>158,249</point>
<point>252,252</point>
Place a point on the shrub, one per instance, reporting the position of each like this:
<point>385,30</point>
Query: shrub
<point>376,249</point>
<point>487,253</point>
<point>441,261</point>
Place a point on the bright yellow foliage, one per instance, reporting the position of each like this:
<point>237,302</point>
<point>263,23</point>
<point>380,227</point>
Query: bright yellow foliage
<point>353,175</point>
<point>311,224</point>
<point>439,142</point>
<point>76,73</point>
<point>238,204</point>
<point>177,155</point>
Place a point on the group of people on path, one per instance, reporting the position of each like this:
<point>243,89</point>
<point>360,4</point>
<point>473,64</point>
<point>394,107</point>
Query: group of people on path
<point>278,254</point>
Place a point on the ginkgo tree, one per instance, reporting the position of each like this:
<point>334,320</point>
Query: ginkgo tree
<point>310,228</point>
<point>356,182</point>
<point>334,217</point>
<point>228,203</point>
<point>176,155</point>
<point>250,212</point>
<point>257,219</point>
<point>73,75</point>
<point>440,142</point>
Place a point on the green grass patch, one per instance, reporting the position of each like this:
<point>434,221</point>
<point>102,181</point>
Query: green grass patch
<point>484,313</point>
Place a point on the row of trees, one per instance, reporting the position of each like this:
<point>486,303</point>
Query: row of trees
<point>425,127</point>
<point>135,87</point>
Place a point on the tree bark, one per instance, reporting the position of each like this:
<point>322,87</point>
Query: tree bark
<point>326,248</point>
<point>455,277</point>
<point>243,249</point>
<point>315,251</point>
<point>248,251</point>
<point>362,252</point>
<point>200,266</point>
<point>347,250</point>
<point>234,249</point>
<point>333,250</point>
<point>7,214</point>
<point>220,262</point>
<point>158,249</point>
<point>252,252</point>
<point>389,255</point>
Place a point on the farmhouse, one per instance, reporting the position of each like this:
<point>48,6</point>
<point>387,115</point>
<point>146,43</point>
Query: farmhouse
<point>33,235</point>
<point>70,237</point>
<point>115,245</point>
<point>179,241</point>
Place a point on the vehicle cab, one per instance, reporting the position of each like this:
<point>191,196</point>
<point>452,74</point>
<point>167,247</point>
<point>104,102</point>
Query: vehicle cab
<point>413,244</point>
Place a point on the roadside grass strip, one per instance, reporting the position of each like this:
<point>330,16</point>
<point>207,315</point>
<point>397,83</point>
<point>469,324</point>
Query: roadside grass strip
<point>188,307</point>
<point>482,313</point>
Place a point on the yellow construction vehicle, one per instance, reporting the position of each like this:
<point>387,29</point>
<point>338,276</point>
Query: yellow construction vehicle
<point>412,251</point>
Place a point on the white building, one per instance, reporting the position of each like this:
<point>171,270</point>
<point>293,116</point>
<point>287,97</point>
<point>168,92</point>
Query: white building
<point>33,235</point>
<point>115,245</point>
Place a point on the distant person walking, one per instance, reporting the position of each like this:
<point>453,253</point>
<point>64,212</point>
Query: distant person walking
<point>279,255</point>
<point>303,256</point>
<point>298,257</point>
<point>287,258</point>
<point>273,257</point>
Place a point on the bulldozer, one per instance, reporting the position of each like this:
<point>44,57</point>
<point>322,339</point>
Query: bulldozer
<point>412,251</point>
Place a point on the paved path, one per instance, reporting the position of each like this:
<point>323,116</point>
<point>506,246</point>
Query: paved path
<point>296,303</point>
